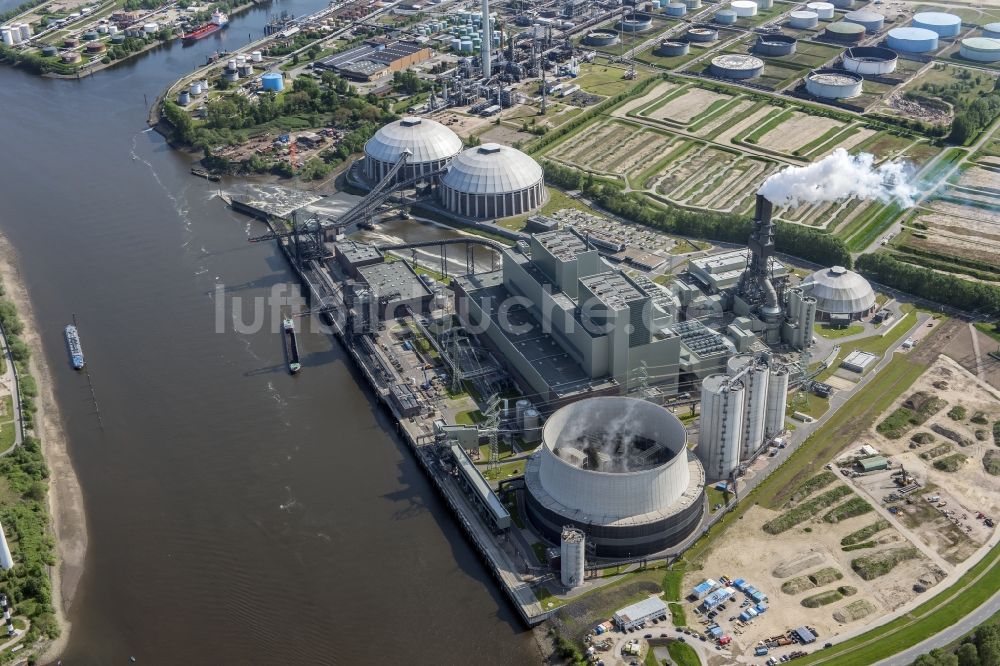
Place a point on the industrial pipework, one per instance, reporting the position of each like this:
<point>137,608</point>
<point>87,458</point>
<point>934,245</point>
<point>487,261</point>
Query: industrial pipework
<point>755,286</point>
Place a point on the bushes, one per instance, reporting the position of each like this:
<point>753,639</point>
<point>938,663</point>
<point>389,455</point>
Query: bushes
<point>996,433</point>
<point>818,578</point>
<point>805,511</point>
<point>849,509</point>
<point>922,438</point>
<point>928,284</point>
<point>810,486</point>
<point>958,413</point>
<point>828,597</point>
<point>899,422</point>
<point>865,533</point>
<point>950,463</point>
<point>859,546</point>
<point>879,564</point>
<point>991,463</point>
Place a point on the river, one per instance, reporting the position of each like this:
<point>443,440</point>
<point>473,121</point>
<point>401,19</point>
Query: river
<point>236,514</point>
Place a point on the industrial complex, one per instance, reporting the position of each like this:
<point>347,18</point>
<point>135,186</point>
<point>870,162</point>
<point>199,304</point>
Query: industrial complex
<point>611,269</point>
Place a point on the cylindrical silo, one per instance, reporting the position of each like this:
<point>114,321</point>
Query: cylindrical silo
<point>943,23</point>
<point>573,556</point>
<point>991,30</point>
<point>744,8</point>
<point>696,4</point>
<point>196,88</point>
<point>671,49</point>
<point>725,16</point>
<point>721,426</point>
<point>777,396</point>
<point>980,49</point>
<point>754,372</point>
<point>676,9</point>
<point>912,40</point>
<point>843,31</point>
<point>25,32</point>
<point>765,4</point>
<point>256,56</point>
<point>532,425</point>
<point>184,98</point>
<point>871,21</point>
<point>803,20</point>
<point>520,407</point>
<point>824,10</point>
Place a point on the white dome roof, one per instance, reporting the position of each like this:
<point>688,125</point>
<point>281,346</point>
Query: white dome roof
<point>840,291</point>
<point>492,169</point>
<point>427,141</point>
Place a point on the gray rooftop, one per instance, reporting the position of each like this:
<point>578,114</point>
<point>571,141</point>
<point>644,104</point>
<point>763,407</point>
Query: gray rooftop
<point>613,288</point>
<point>562,243</point>
<point>394,280</point>
<point>354,251</point>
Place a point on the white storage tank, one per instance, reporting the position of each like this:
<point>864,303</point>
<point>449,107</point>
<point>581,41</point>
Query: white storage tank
<point>803,20</point>
<point>721,426</point>
<point>25,30</point>
<point>572,557</point>
<point>870,60</point>
<point>196,88</point>
<point>943,23</point>
<point>231,64</point>
<point>834,84</point>
<point>991,30</point>
<point>777,396</point>
<point>980,49</point>
<point>765,4</point>
<point>257,56</point>
<point>871,21</point>
<point>744,8</point>
<point>151,28</point>
<point>532,425</point>
<point>755,404</point>
<point>824,10</point>
<point>7,34</point>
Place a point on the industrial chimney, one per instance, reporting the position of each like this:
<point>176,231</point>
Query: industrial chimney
<point>755,286</point>
<point>487,41</point>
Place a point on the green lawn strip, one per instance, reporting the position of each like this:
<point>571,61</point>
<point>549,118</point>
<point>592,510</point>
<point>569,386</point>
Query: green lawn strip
<point>875,225</point>
<point>931,617</point>
<point>876,344</point>
<point>773,122</point>
<point>992,330</point>
<point>831,333</point>
<point>715,109</point>
<point>677,614</point>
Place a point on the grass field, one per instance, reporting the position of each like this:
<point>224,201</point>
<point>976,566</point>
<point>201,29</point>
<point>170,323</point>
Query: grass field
<point>607,80</point>
<point>683,654</point>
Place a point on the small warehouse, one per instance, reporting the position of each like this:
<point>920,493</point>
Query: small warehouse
<point>858,361</point>
<point>873,464</point>
<point>643,611</point>
<point>804,635</point>
<point>704,588</point>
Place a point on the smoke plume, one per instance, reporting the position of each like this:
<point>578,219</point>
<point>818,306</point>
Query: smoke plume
<point>838,176</point>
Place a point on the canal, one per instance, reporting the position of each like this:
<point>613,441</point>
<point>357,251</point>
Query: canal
<point>236,514</point>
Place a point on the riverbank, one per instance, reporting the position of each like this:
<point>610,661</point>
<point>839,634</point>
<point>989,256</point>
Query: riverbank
<point>65,498</point>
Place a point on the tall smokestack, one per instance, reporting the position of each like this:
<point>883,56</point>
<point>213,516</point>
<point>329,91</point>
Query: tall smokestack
<point>487,41</point>
<point>755,285</point>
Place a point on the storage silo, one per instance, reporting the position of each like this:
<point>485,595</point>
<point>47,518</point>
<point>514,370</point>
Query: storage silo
<point>7,34</point>
<point>736,66</point>
<point>25,30</point>
<point>195,88</point>
<point>151,28</point>
<point>696,4</point>
<point>184,98</point>
<point>532,425</point>
<point>670,49</point>
<point>256,56</point>
<point>843,4</point>
<point>943,23</point>
<point>845,32</point>
<point>777,397</point>
<point>765,4</point>
<point>755,374</point>
<point>870,60</point>
<point>774,45</point>
<point>991,30</point>
<point>980,49</point>
<point>520,407</point>
<point>49,51</point>
<point>725,17</point>
<point>675,9</point>
<point>834,84</point>
<point>824,10</point>
<point>572,553</point>
<point>491,181</point>
<point>872,22</point>
<point>744,8</point>
<point>721,426</point>
<point>912,40</point>
<point>702,34</point>
<point>803,20</point>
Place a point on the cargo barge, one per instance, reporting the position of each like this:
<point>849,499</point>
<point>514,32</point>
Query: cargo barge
<point>74,347</point>
<point>291,346</point>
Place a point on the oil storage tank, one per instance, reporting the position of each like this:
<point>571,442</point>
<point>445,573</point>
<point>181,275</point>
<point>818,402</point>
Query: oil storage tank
<point>912,40</point>
<point>775,45</point>
<point>491,181</point>
<point>675,9</point>
<point>692,4</point>
<point>991,30</point>
<point>872,22</point>
<point>273,82</point>
<point>430,145</point>
<point>725,17</point>
<point>765,4</point>
<point>943,23</point>
<point>601,38</point>
<point>636,22</point>
<point>619,470</point>
<point>702,33</point>
<point>834,84</point>
<point>803,20</point>
<point>670,49</point>
<point>721,426</point>
<point>744,8</point>
<point>870,60</point>
<point>845,32</point>
<point>842,4</point>
<point>736,66</point>
<point>980,49</point>
<point>824,10</point>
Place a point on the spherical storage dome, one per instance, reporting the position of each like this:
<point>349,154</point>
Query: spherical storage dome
<point>839,291</point>
<point>619,469</point>
<point>431,146</point>
<point>492,180</point>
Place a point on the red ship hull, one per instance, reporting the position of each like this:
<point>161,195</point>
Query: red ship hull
<point>203,31</point>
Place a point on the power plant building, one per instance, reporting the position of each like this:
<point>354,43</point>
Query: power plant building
<point>491,181</point>
<point>429,146</point>
<point>840,294</point>
<point>619,470</point>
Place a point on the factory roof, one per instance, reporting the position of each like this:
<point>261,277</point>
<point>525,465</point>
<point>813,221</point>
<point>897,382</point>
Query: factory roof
<point>353,251</point>
<point>650,607</point>
<point>613,289</point>
<point>395,281</point>
<point>699,339</point>
<point>364,68</point>
<point>427,141</point>
<point>482,489</point>
<point>563,244</point>
<point>840,291</point>
<point>492,169</point>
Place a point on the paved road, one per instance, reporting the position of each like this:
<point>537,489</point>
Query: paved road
<point>952,633</point>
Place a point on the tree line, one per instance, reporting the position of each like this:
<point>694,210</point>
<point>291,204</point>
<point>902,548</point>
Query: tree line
<point>797,240</point>
<point>981,648</point>
<point>930,285</point>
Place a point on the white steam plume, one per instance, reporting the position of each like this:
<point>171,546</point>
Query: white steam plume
<point>838,176</point>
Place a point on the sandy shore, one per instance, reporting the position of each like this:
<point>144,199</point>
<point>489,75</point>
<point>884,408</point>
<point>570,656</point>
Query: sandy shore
<point>65,498</point>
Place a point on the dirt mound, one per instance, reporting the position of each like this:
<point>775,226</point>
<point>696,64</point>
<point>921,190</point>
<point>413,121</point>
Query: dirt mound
<point>854,611</point>
<point>798,564</point>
